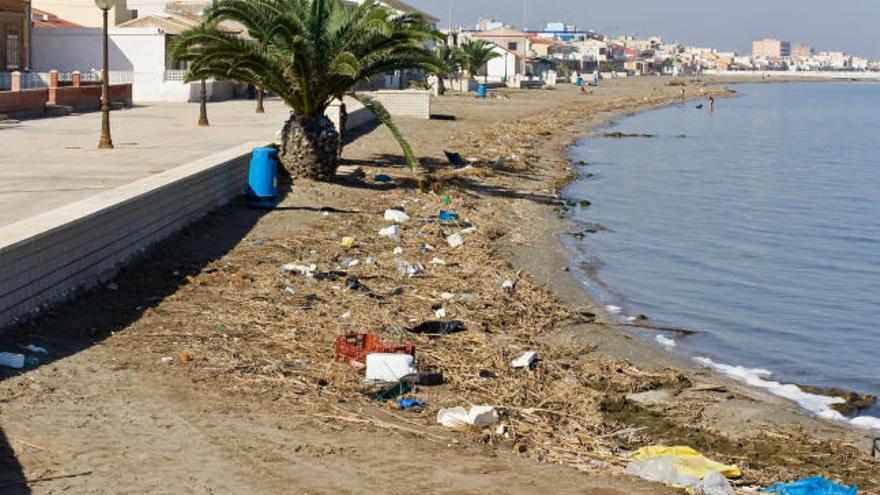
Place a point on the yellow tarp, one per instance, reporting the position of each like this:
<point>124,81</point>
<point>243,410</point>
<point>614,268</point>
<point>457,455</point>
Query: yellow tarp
<point>688,462</point>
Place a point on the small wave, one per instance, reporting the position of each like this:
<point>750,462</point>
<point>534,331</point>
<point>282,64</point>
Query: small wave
<point>613,309</point>
<point>665,341</point>
<point>819,405</point>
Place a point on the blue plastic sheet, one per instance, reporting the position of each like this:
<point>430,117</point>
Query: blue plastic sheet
<point>410,403</point>
<point>811,486</point>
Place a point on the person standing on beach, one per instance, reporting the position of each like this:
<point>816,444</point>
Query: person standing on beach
<point>711,103</point>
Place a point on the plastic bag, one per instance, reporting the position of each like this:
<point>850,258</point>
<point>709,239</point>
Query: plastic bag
<point>811,486</point>
<point>688,462</point>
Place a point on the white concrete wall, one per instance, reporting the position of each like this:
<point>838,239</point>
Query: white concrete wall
<point>140,51</point>
<point>505,65</point>
<point>405,103</point>
<point>51,257</point>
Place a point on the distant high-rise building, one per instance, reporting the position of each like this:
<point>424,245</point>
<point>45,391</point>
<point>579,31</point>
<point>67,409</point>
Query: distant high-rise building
<point>771,48</point>
<point>801,50</point>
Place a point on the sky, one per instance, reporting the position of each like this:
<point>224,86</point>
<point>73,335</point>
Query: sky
<point>852,26</point>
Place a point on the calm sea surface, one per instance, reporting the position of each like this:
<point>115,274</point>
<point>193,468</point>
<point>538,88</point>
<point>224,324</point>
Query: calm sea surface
<point>757,224</point>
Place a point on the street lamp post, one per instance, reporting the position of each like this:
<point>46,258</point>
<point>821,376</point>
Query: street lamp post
<point>106,142</point>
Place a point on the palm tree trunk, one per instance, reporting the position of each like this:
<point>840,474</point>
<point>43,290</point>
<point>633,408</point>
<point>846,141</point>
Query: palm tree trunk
<point>310,147</point>
<point>343,121</point>
<point>203,105</point>
<point>260,108</point>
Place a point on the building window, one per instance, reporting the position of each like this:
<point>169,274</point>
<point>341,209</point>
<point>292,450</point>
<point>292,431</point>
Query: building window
<point>512,46</point>
<point>13,51</point>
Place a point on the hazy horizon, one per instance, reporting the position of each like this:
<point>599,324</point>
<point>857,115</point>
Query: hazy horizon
<point>848,25</point>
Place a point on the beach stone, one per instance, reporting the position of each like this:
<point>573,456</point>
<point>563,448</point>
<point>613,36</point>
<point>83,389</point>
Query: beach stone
<point>651,397</point>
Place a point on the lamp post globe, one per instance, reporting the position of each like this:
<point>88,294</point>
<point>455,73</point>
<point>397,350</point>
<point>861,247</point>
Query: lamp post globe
<point>106,142</point>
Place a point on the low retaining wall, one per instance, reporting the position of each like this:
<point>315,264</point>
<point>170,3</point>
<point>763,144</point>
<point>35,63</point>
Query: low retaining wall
<point>25,102</point>
<point>88,98</point>
<point>51,257</point>
<point>405,103</point>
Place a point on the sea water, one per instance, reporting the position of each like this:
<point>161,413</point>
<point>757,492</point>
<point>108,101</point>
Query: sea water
<point>756,224</point>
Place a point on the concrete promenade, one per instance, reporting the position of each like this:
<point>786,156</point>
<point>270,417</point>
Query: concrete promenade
<point>49,163</point>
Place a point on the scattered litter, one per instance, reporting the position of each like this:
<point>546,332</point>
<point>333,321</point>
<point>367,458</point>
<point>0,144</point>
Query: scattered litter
<point>325,213</point>
<point>166,360</point>
<point>425,378</point>
<point>811,486</point>
<point>398,250</point>
<point>715,483</point>
<point>184,357</point>
<point>410,404</point>
<point>396,216</point>
<point>440,313</point>
<point>290,290</point>
<point>437,261</point>
<point>488,374</point>
<point>372,261</point>
<point>36,349</point>
<point>12,360</point>
<point>455,240</point>
<point>439,327</point>
<point>687,461</point>
<point>457,417</point>
<point>348,263</point>
<point>469,230</point>
<point>408,269</point>
<point>525,360</point>
<point>390,231</point>
<point>427,248</point>
<point>508,285</point>
<point>448,216</point>
<point>387,368</point>
<point>353,283</point>
<point>447,296</point>
<point>348,242</point>
<point>345,315</point>
<point>665,341</point>
<point>382,178</point>
<point>392,392</point>
<point>353,348</point>
<point>447,200</point>
<point>257,242</point>
<point>307,270</point>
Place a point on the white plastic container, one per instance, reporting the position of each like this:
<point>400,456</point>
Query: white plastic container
<point>388,368</point>
<point>396,216</point>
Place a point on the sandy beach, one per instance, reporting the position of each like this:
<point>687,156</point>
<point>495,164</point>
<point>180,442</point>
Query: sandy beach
<point>206,369</point>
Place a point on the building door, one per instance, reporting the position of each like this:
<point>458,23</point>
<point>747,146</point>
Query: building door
<point>13,51</point>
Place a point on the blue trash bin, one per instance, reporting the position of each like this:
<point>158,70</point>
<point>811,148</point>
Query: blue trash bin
<point>263,177</point>
<point>481,91</point>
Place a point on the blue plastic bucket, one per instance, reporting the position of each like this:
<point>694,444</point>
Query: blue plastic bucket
<point>481,91</point>
<point>263,177</point>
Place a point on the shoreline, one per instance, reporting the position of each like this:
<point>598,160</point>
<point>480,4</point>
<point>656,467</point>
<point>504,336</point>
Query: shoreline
<point>648,351</point>
<point>808,397</point>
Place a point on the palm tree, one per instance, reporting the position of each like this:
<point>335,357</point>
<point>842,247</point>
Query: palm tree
<point>476,54</point>
<point>308,53</point>
<point>449,60</point>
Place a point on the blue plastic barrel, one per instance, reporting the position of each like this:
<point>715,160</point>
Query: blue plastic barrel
<point>262,178</point>
<point>481,91</point>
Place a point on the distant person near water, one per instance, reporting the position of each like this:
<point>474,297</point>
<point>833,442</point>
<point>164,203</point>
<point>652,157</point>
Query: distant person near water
<point>711,103</point>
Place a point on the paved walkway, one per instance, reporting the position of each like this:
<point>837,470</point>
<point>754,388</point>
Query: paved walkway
<point>48,163</point>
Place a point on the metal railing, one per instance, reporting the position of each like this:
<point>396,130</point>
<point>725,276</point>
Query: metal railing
<point>175,75</point>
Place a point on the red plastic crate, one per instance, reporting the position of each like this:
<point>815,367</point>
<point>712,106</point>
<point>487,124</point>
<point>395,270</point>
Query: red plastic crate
<point>353,348</point>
